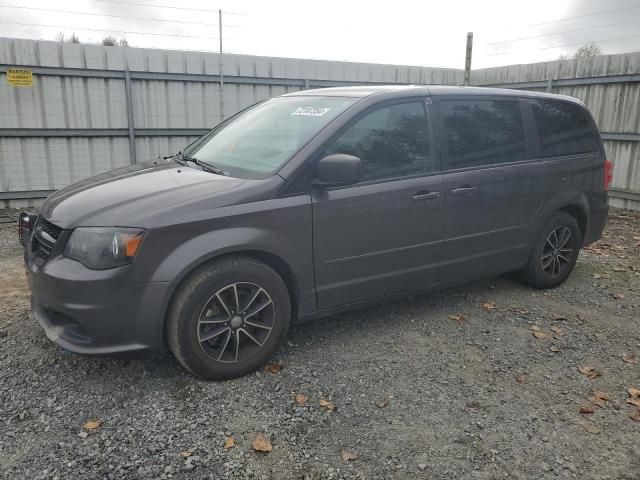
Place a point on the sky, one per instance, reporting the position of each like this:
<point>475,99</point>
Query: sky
<point>420,32</point>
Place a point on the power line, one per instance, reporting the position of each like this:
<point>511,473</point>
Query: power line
<point>613,39</point>
<point>565,19</point>
<point>560,33</point>
<point>107,31</point>
<point>75,12</point>
<point>170,6</point>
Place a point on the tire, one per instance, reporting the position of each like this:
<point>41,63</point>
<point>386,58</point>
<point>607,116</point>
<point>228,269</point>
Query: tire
<point>204,322</point>
<point>562,261</point>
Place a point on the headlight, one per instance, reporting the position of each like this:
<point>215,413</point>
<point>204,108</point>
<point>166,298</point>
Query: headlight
<point>101,248</point>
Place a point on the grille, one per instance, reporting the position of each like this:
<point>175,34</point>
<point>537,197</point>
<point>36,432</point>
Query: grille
<point>42,243</point>
<point>48,227</point>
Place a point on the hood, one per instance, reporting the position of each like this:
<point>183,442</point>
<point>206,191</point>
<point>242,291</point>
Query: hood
<point>121,196</point>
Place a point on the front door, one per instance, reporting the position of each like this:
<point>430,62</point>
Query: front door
<point>493,190</point>
<point>383,235</point>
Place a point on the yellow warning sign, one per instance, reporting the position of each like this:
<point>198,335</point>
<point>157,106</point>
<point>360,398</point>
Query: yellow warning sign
<point>20,77</point>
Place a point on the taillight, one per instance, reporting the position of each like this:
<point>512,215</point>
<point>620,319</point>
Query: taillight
<point>608,174</point>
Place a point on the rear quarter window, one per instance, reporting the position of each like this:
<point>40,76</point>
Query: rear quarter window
<point>563,129</point>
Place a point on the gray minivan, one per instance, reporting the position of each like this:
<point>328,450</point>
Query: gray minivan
<point>313,203</point>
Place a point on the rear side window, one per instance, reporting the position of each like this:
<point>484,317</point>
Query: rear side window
<point>563,128</point>
<point>483,132</point>
<point>391,141</point>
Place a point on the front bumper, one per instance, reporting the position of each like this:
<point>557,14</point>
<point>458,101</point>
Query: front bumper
<point>95,311</point>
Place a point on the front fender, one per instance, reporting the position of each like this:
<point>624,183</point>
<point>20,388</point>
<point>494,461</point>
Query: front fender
<point>277,228</point>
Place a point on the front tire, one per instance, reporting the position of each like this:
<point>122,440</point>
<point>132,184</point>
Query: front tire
<point>228,318</point>
<point>554,253</point>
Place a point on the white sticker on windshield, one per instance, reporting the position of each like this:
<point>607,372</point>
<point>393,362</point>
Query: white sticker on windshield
<point>310,111</point>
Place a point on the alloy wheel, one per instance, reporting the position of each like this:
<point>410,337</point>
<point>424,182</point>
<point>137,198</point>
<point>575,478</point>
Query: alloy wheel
<point>557,252</point>
<point>235,322</point>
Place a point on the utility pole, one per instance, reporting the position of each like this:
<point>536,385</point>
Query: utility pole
<point>220,66</point>
<point>467,60</point>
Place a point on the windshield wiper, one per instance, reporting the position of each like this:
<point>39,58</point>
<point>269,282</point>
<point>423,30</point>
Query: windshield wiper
<point>207,167</point>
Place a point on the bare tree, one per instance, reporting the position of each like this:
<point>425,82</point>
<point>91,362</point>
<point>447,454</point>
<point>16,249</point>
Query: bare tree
<point>588,50</point>
<point>123,42</point>
<point>62,38</point>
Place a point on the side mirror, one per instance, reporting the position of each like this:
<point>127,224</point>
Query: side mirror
<point>338,169</point>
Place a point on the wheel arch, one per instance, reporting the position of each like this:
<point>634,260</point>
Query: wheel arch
<point>579,213</point>
<point>276,262</point>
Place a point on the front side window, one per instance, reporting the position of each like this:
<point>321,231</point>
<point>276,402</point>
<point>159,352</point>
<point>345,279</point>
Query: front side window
<point>563,129</point>
<point>483,132</point>
<point>391,141</point>
<point>261,139</point>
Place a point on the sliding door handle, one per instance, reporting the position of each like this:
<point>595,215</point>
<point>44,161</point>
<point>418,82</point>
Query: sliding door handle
<point>464,190</point>
<point>425,196</point>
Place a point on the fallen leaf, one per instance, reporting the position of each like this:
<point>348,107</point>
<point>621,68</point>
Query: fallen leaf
<point>260,443</point>
<point>229,442</point>
<point>590,372</point>
<point>488,306</point>
<point>301,399</point>
<point>601,336</point>
<point>599,398</point>
<point>618,296</point>
<point>347,455</point>
<point>327,405</point>
<point>554,349</point>
<point>539,335</point>
<point>473,404</point>
<point>521,378</point>
<point>634,392</point>
<point>597,276</point>
<point>634,401</point>
<point>457,318</point>
<point>273,367</point>
<point>629,358</point>
<point>586,409</point>
<point>384,402</point>
<point>559,318</point>
<point>592,428</point>
<point>635,414</point>
<point>92,425</point>
<point>619,269</point>
<point>186,454</point>
<point>557,330</point>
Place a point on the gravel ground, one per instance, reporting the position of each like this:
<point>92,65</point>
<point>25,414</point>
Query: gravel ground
<point>449,385</point>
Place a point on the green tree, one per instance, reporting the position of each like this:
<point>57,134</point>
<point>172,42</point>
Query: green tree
<point>109,41</point>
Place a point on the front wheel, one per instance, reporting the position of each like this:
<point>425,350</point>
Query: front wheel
<point>554,253</point>
<point>228,318</point>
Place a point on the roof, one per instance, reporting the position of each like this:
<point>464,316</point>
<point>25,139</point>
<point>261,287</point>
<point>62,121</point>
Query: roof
<point>434,90</point>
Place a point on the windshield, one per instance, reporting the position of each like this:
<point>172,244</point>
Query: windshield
<point>258,141</point>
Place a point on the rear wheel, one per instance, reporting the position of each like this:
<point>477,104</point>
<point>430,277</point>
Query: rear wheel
<point>554,253</point>
<point>228,318</point>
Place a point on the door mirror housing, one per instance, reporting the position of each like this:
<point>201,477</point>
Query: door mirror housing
<point>338,169</point>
